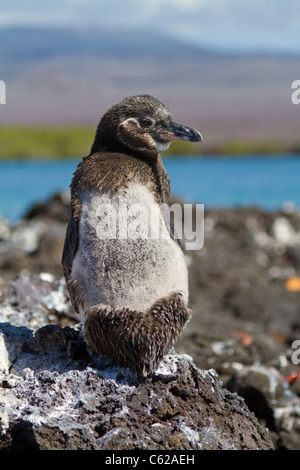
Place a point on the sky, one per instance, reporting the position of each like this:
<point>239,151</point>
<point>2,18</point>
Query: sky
<point>252,25</point>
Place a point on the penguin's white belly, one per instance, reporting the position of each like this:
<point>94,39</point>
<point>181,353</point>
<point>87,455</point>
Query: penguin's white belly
<point>125,256</point>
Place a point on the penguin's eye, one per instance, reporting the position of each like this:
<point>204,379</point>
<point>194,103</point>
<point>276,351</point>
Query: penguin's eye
<point>146,122</point>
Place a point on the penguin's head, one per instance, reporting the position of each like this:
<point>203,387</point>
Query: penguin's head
<point>140,123</point>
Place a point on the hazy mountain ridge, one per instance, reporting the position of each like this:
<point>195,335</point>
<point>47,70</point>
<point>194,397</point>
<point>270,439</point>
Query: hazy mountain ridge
<point>58,76</point>
<point>34,45</point>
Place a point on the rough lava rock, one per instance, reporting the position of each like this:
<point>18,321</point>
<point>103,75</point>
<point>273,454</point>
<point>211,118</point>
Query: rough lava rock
<point>272,400</point>
<point>244,291</point>
<point>36,300</point>
<point>53,395</point>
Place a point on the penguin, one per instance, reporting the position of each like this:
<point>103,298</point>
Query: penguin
<point>126,273</point>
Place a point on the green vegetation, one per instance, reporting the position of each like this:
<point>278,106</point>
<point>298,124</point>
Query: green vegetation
<point>18,141</point>
<point>44,141</point>
<point>244,147</point>
<point>181,147</point>
<point>234,147</point>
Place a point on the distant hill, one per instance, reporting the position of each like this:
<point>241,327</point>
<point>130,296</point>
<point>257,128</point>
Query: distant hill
<point>71,76</point>
<point>23,47</point>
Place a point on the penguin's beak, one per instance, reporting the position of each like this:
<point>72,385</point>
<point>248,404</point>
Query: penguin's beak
<point>179,132</point>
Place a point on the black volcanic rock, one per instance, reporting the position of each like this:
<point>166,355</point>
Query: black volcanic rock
<point>246,317</point>
<point>53,396</point>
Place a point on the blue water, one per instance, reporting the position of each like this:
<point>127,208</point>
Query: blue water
<point>267,182</point>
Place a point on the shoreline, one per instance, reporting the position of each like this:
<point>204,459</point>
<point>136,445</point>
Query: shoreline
<point>70,141</point>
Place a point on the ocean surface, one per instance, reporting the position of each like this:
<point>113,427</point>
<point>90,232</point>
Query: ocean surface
<point>267,182</point>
